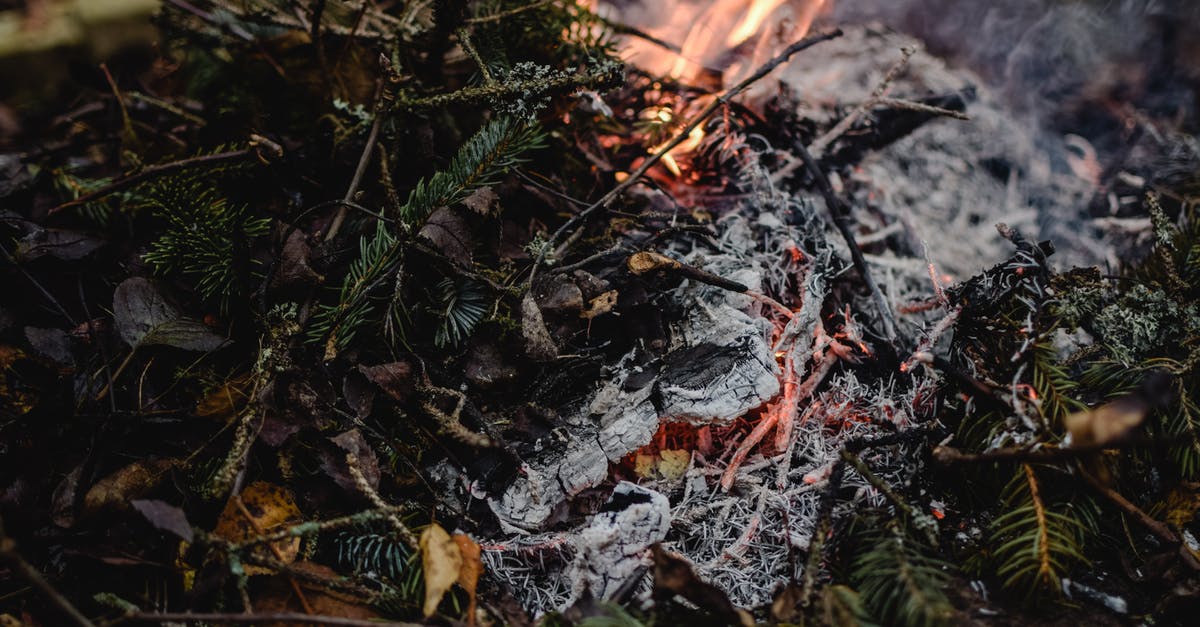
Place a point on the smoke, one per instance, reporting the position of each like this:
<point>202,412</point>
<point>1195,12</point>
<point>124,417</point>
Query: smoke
<point>1055,59</point>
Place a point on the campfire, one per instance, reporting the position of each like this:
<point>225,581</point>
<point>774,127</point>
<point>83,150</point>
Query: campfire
<point>796,311</point>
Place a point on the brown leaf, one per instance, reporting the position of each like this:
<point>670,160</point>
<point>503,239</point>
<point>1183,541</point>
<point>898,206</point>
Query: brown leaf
<point>643,262</point>
<point>673,575</point>
<point>334,464</point>
<point>294,269</point>
<point>144,317</point>
<point>63,501</point>
<point>1107,423</point>
<point>397,379</point>
<point>450,235</point>
<point>269,508</point>
<point>166,517</point>
<point>131,482</point>
<point>538,344</point>
<point>441,563</point>
<point>483,201</point>
<point>275,595</point>
<point>225,402</point>
<point>472,568</point>
<point>600,305</point>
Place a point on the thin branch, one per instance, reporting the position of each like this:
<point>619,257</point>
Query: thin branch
<point>363,161</point>
<point>841,218</point>
<point>163,169</point>
<point>502,15</point>
<point>1159,529</point>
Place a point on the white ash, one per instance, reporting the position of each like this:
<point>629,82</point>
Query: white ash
<point>934,186</point>
<point>615,544</point>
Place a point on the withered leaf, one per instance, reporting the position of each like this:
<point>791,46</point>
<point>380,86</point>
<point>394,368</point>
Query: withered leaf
<point>144,317</point>
<point>600,305</point>
<point>539,346</point>
<point>131,482</point>
<point>1107,423</point>
<point>63,501</point>
<point>294,259</point>
<point>673,575</point>
<point>483,201</point>
<point>166,517</point>
<point>267,508</point>
<point>334,463</point>
<point>450,235</point>
<point>226,401</point>
<point>57,243</point>
<point>472,568</point>
<point>276,595</point>
<point>397,379</point>
<point>441,563</point>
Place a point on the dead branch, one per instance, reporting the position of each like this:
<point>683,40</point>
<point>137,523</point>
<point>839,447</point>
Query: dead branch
<point>1159,529</point>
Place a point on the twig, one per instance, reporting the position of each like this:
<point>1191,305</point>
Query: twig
<point>10,556</point>
<point>950,455</point>
<point>841,218</point>
<point>156,171</point>
<point>1159,529</point>
<point>705,113</point>
<point>46,293</point>
<point>364,486</point>
<point>317,526</point>
<point>920,520</point>
<point>502,15</point>
<point>839,129</point>
<point>289,618</point>
<point>95,339</point>
<point>363,161</point>
<point>920,107</point>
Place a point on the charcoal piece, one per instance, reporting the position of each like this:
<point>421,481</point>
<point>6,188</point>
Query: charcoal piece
<point>714,384</point>
<point>616,541</point>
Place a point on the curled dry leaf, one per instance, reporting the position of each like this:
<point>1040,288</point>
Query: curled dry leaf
<point>472,568</point>
<point>441,562</point>
<point>131,482</point>
<point>600,305</point>
<point>396,379</point>
<point>483,201</point>
<point>1107,423</point>
<point>267,508</point>
<point>450,235</point>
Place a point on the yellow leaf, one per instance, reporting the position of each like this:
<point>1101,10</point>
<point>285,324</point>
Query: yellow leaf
<point>131,482</point>
<point>468,575</point>
<point>261,509</point>
<point>441,562</point>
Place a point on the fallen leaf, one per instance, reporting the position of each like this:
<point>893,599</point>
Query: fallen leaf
<point>483,201</point>
<point>538,344</point>
<point>396,379</point>
<point>600,305</point>
<point>469,573</point>
<point>166,517</point>
<point>275,595</point>
<point>294,259</point>
<point>57,243</point>
<point>1107,423</point>
<point>131,482</point>
<point>673,575</point>
<point>450,235</point>
<point>62,503</point>
<point>334,462</point>
<point>144,317</point>
<point>225,402</point>
<point>270,507</point>
<point>53,344</point>
<point>441,563</point>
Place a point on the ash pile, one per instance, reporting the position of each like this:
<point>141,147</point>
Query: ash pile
<point>723,436</point>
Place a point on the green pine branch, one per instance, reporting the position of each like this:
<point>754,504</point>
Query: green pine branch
<point>898,579</point>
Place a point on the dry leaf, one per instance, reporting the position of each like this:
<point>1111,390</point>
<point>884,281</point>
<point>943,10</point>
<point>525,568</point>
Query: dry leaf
<point>270,507</point>
<point>144,317</point>
<point>600,305</point>
<point>643,262</point>
<point>538,344</point>
<point>131,482</point>
<point>441,561</point>
<point>276,595</point>
<point>468,575</point>
<point>447,230</point>
<point>225,402</point>
<point>397,379</point>
<point>166,517</point>
<point>1107,423</point>
<point>483,201</point>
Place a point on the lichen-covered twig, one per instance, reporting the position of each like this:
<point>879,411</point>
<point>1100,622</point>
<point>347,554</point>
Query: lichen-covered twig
<point>364,486</point>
